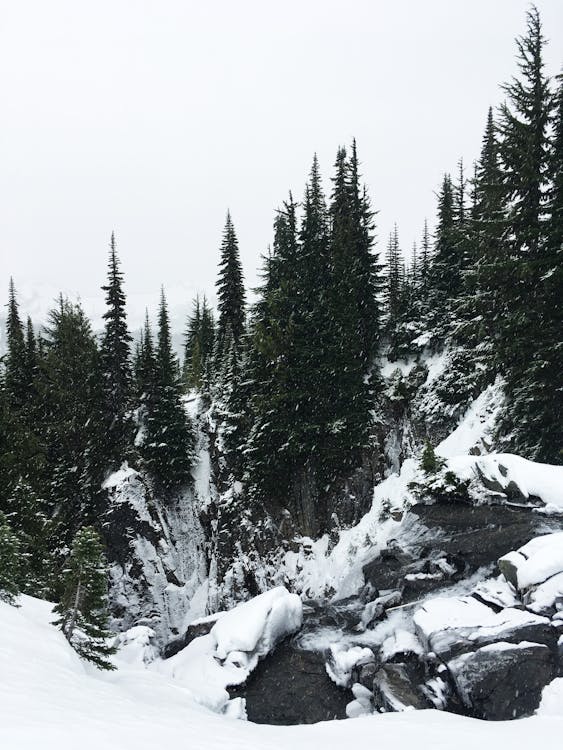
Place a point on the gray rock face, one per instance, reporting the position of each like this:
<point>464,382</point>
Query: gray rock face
<point>291,686</point>
<point>395,690</point>
<point>502,681</point>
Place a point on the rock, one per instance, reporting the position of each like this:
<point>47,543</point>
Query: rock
<point>291,686</point>
<point>193,631</point>
<point>393,689</point>
<point>449,626</point>
<point>375,610</point>
<point>344,663</point>
<point>503,680</point>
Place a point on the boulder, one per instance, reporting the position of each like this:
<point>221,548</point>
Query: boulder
<point>395,690</point>
<point>503,680</point>
<point>195,630</point>
<point>449,626</point>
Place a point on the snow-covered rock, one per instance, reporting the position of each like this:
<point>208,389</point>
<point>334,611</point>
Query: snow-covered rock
<point>502,680</point>
<point>343,662</point>
<point>536,570</point>
<point>228,654</point>
<point>450,625</point>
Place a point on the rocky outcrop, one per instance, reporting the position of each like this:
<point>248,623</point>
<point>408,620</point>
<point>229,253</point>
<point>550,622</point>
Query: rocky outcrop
<point>503,680</point>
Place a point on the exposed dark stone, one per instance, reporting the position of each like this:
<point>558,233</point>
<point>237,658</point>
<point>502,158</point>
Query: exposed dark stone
<point>193,631</point>
<point>502,683</point>
<point>395,688</point>
<point>291,686</point>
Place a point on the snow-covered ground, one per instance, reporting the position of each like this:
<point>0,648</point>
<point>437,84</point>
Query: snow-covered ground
<point>50,700</point>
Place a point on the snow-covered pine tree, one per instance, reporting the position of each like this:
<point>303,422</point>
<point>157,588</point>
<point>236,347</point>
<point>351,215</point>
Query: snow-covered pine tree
<point>231,298</point>
<point>82,611</point>
<point>168,440</point>
<point>528,264</point>
<point>15,360</point>
<point>70,396</point>
<point>10,562</point>
<point>115,369</point>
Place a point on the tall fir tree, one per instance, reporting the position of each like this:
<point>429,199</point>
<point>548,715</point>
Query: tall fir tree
<point>10,562</point>
<point>231,298</point>
<point>82,611</point>
<point>115,367</point>
<point>529,330</point>
<point>168,444</point>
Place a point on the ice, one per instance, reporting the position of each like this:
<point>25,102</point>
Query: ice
<point>342,660</point>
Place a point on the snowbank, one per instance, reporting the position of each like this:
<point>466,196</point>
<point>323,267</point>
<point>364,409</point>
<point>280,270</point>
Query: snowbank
<point>506,471</point>
<point>49,699</point>
<point>233,647</point>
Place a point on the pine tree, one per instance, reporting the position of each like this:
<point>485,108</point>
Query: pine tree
<point>71,398</point>
<point>10,563</point>
<point>530,332</point>
<point>231,298</point>
<point>445,272</point>
<point>82,611</point>
<point>115,368</point>
<point>15,363</point>
<point>167,445</point>
<point>425,260</point>
<point>198,347</point>
<point>524,147</point>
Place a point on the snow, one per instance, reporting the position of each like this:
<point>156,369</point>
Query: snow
<point>400,642</point>
<point>388,368</point>
<point>540,559</point>
<point>552,699</point>
<point>464,613</point>
<point>532,479</point>
<point>342,660</point>
<point>51,700</point>
<point>257,625</point>
<point>475,425</point>
<point>233,647</point>
<point>119,477</point>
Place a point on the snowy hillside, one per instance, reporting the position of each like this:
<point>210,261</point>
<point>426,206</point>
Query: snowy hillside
<point>48,698</point>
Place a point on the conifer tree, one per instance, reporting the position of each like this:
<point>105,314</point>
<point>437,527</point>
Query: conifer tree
<point>15,362</point>
<point>198,348</point>
<point>530,332</point>
<point>10,563</point>
<point>71,399</point>
<point>82,610</point>
<point>167,446</point>
<point>231,297</point>
<point>115,367</point>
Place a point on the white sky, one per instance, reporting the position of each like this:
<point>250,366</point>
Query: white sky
<point>152,117</point>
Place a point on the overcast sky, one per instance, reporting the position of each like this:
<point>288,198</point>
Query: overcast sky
<point>151,118</point>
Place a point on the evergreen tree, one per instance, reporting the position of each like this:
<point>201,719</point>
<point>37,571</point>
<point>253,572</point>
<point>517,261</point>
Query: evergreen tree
<point>230,294</point>
<point>445,272</point>
<point>15,361</point>
<point>198,348</point>
<point>524,146</point>
<point>115,368</point>
<point>70,394</point>
<point>425,260</point>
<point>531,325</point>
<point>82,611</point>
<point>10,563</point>
<point>167,446</point>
